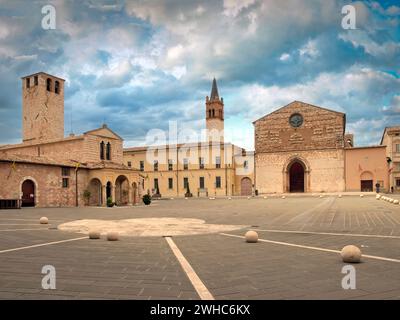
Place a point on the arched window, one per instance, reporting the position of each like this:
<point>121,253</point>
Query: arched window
<point>48,84</point>
<point>209,113</point>
<point>213,113</point>
<point>108,151</point>
<point>102,150</point>
<point>57,87</point>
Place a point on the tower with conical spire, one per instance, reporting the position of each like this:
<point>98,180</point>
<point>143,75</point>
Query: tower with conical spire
<point>215,114</point>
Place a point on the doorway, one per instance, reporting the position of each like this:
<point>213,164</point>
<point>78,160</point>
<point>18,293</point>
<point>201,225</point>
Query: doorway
<point>296,177</point>
<point>28,193</point>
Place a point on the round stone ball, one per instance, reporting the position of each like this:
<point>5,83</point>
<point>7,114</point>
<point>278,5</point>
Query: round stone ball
<point>251,236</point>
<point>340,195</point>
<point>94,234</point>
<point>186,198</point>
<point>112,236</point>
<point>361,196</point>
<point>378,197</point>
<point>229,198</point>
<point>265,197</point>
<point>391,200</point>
<point>283,197</point>
<point>396,201</point>
<point>44,220</point>
<point>321,196</point>
<point>351,254</point>
<point>248,198</point>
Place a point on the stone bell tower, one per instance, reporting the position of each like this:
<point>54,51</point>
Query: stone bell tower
<point>215,114</point>
<point>42,108</point>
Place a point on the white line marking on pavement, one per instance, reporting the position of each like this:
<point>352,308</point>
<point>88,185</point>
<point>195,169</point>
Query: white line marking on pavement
<point>5,230</point>
<point>332,233</point>
<point>20,224</point>
<point>42,245</point>
<point>199,286</point>
<point>312,248</point>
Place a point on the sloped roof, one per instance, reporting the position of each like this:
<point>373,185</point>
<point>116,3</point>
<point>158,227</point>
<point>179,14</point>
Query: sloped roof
<point>297,101</point>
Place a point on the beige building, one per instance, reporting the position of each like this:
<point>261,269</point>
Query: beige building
<point>304,148</point>
<point>391,139</point>
<point>205,169</point>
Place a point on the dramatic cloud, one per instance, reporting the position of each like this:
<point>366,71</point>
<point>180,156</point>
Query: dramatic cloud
<point>139,64</point>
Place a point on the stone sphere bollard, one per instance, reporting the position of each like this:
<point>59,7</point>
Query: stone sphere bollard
<point>283,197</point>
<point>229,198</point>
<point>391,200</point>
<point>44,220</point>
<point>112,236</point>
<point>351,254</point>
<point>361,196</point>
<point>340,195</point>
<point>251,236</point>
<point>378,197</point>
<point>396,202</point>
<point>321,196</point>
<point>94,234</point>
<point>265,197</point>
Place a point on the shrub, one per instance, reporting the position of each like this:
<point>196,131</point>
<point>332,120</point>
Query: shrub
<point>146,199</point>
<point>110,203</point>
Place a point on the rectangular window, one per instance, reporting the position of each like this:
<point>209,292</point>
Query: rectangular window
<point>218,162</point>
<point>36,80</point>
<point>156,184</point>
<point>129,164</point>
<point>246,164</point>
<point>397,182</point>
<point>170,165</point>
<point>65,182</point>
<point>218,182</point>
<point>28,82</point>
<point>170,183</point>
<point>201,182</point>
<point>155,165</point>
<point>65,171</point>
<point>185,182</point>
<point>141,165</point>
<point>398,148</point>
<point>185,164</point>
<point>201,163</point>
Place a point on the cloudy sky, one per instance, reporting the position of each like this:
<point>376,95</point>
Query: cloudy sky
<point>137,65</point>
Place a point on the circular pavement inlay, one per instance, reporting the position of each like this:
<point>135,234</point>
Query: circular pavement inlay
<point>148,227</point>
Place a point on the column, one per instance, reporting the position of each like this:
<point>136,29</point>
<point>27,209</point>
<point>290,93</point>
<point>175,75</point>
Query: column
<point>104,196</point>
<point>129,195</point>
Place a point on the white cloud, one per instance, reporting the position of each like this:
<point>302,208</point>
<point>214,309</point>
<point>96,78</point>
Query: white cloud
<point>284,57</point>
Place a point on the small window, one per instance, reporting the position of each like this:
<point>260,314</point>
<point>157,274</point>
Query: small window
<point>156,187</point>
<point>28,82</point>
<point>141,165</point>
<point>246,164</point>
<point>397,147</point>
<point>36,80</point>
<point>218,162</point>
<point>102,150</point>
<point>65,171</point>
<point>185,182</point>
<point>218,182</point>
<point>397,182</point>
<point>185,164</point>
<point>108,151</point>
<point>213,113</point>
<point>65,182</point>
<point>170,183</point>
<point>129,164</point>
<point>209,113</point>
<point>57,87</point>
<point>201,182</point>
<point>170,165</point>
<point>48,84</point>
<point>201,163</point>
<point>155,165</point>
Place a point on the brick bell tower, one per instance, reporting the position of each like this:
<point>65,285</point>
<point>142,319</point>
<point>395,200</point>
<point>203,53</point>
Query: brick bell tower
<point>42,108</point>
<point>215,114</point>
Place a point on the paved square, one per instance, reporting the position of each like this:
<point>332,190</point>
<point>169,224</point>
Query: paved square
<point>290,264</point>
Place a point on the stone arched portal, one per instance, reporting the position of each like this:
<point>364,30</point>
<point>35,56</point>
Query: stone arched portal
<point>121,190</point>
<point>245,187</point>
<point>296,175</point>
<point>28,193</point>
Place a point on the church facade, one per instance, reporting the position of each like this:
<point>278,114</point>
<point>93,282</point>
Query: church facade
<point>304,148</point>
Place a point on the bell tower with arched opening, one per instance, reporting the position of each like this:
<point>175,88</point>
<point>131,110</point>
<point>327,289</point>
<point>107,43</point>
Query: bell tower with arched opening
<point>215,115</point>
<point>42,107</point>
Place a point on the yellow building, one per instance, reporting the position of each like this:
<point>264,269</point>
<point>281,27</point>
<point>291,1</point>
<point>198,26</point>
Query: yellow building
<point>209,168</point>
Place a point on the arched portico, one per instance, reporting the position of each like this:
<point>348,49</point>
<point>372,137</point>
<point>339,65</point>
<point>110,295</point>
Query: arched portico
<point>122,189</point>
<point>95,189</point>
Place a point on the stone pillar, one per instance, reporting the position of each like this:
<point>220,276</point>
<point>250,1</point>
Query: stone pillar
<point>104,196</point>
<point>113,193</point>
<point>129,195</point>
